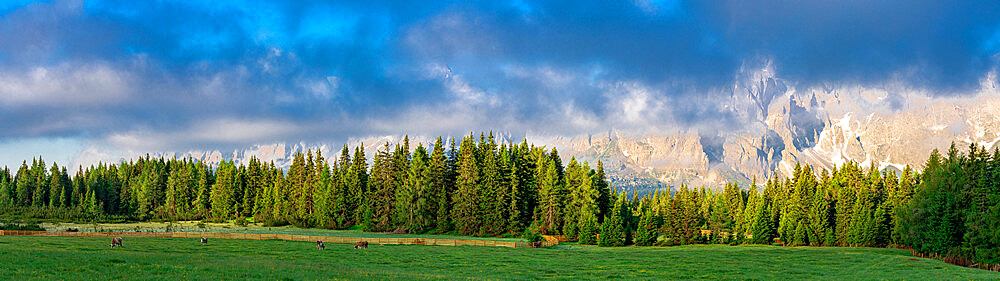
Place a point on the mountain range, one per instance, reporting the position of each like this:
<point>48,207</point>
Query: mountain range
<point>888,127</point>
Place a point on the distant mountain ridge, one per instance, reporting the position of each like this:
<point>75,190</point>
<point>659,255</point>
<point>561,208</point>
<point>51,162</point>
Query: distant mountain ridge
<point>822,127</point>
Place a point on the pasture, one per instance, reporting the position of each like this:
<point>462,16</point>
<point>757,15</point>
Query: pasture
<point>229,227</point>
<point>74,258</point>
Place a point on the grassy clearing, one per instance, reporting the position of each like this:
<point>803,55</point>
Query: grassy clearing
<point>69,258</point>
<point>193,226</point>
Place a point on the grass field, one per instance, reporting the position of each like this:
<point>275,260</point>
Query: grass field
<point>193,226</point>
<point>72,258</point>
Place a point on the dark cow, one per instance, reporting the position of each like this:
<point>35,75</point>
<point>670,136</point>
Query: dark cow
<point>537,244</point>
<point>116,242</point>
<point>204,240</point>
<point>320,245</point>
<point>362,244</point>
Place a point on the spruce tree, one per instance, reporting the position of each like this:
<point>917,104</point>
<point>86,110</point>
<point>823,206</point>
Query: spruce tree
<point>413,199</point>
<point>440,187</point>
<point>203,201</point>
<point>551,198</point>
<point>646,232</point>
<point>465,209</point>
<point>613,229</point>
<point>383,186</point>
<point>222,197</point>
<point>588,229</point>
<point>358,178</point>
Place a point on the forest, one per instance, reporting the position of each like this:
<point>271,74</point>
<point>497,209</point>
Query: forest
<point>482,188</point>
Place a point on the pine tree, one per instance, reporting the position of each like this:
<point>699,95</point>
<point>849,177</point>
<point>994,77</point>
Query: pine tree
<point>413,199</point>
<point>325,194</point>
<point>599,182</point>
<point>172,193</point>
<point>440,187</point>
<point>581,198</point>
<point>492,198</point>
<point>358,179</point>
<point>613,229</point>
<point>203,201</point>
<point>294,208</point>
<point>6,192</point>
<point>400,168</point>
<point>646,233</point>
<point>588,230</point>
<point>551,197</point>
<point>223,192</point>
<point>465,210</point>
<point>382,186</point>
<point>900,199</point>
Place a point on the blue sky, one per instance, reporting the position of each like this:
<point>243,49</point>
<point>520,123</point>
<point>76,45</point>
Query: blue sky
<point>182,75</point>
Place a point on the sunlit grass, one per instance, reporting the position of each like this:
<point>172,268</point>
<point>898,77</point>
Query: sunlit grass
<point>70,258</point>
<point>193,226</point>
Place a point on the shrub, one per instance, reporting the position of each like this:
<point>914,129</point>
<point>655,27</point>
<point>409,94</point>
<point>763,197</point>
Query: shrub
<point>531,233</point>
<point>21,226</point>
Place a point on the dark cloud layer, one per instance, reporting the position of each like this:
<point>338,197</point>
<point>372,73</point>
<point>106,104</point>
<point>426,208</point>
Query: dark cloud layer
<point>129,72</point>
<point>940,45</point>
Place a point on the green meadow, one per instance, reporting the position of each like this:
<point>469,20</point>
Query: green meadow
<point>73,258</point>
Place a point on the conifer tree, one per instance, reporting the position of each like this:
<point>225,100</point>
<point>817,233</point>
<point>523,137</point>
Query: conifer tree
<point>492,198</point>
<point>358,179</point>
<point>551,197</point>
<point>613,229</point>
<point>222,196</point>
<point>413,199</point>
<point>646,233</point>
<point>588,229</point>
<point>6,192</point>
<point>464,209</point>
<point>382,185</point>
<point>325,204</point>
<point>203,201</point>
<point>440,186</point>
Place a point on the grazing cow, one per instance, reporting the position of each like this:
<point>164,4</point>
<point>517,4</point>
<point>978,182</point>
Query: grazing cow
<point>537,244</point>
<point>320,245</point>
<point>116,242</point>
<point>362,244</point>
<point>204,240</point>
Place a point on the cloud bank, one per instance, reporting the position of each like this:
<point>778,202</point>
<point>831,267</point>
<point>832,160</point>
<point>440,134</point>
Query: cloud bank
<point>182,75</point>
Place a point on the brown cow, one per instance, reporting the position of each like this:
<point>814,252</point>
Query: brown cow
<point>116,242</point>
<point>320,245</point>
<point>204,240</point>
<point>362,244</point>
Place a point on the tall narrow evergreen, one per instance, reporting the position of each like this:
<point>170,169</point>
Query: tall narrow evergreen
<point>464,208</point>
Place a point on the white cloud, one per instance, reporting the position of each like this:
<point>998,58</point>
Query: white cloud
<point>211,132</point>
<point>458,86</point>
<point>65,84</point>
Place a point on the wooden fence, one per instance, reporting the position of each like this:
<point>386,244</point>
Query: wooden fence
<point>287,237</point>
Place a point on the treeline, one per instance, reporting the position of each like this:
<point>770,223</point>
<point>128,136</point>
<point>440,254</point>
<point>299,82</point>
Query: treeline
<point>952,210</point>
<point>955,212</point>
<point>478,187</point>
<point>849,206</point>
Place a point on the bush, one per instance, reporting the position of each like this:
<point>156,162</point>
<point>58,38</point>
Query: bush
<point>274,222</point>
<point>214,220</point>
<point>531,234</point>
<point>241,222</point>
<point>21,226</point>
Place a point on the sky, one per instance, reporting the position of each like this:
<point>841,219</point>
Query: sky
<point>150,76</point>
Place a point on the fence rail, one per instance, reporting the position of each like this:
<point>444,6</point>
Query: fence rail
<point>287,237</point>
